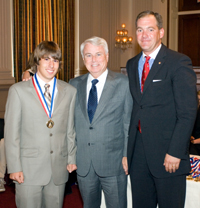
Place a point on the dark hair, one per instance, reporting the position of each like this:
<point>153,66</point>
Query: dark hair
<point>47,48</point>
<point>156,15</point>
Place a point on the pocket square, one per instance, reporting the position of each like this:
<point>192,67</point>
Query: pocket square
<point>157,80</point>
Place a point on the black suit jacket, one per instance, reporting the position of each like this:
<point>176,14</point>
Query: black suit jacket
<point>166,110</point>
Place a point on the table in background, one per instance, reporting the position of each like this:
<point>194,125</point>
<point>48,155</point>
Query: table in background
<point>192,199</point>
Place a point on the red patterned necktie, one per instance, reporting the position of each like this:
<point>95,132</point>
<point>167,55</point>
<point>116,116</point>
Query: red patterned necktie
<point>145,73</point>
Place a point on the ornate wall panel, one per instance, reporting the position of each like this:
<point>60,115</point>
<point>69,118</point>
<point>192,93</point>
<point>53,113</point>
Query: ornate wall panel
<point>6,56</point>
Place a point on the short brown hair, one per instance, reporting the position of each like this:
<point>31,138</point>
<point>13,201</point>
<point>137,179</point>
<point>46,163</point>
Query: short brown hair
<point>47,48</point>
<point>156,15</point>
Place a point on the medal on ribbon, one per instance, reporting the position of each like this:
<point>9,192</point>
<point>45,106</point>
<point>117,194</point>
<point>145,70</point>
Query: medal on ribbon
<point>42,99</point>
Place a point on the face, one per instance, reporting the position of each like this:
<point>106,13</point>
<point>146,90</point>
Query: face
<point>47,68</point>
<point>148,35</point>
<point>95,59</point>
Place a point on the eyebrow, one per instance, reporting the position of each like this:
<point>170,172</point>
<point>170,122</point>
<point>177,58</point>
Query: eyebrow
<point>151,27</point>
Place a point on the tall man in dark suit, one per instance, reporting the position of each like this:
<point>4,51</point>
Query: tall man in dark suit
<point>39,132</point>
<point>101,127</point>
<point>163,115</point>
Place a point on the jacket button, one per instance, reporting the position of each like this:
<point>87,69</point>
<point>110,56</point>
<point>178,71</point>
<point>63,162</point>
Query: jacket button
<point>51,134</point>
<point>141,107</point>
<point>51,152</point>
<point>91,127</point>
<point>88,144</point>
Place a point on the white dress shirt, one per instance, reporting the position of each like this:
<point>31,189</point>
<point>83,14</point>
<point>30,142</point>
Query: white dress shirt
<point>51,83</point>
<point>99,85</point>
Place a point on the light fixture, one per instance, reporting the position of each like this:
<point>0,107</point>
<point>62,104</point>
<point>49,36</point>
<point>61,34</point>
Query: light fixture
<point>122,40</point>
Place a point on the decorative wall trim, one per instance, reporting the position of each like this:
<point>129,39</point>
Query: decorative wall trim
<point>6,40</point>
<point>6,51</point>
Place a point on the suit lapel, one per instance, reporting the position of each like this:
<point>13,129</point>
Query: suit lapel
<point>82,95</point>
<point>107,93</point>
<point>35,97</point>
<point>33,91</point>
<point>59,96</point>
<point>134,78</point>
<point>157,65</point>
<point>57,100</point>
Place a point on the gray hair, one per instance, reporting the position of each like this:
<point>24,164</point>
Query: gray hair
<point>96,41</point>
<point>156,15</point>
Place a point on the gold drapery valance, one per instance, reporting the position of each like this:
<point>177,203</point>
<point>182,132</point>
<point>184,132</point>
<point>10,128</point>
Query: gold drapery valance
<point>38,20</point>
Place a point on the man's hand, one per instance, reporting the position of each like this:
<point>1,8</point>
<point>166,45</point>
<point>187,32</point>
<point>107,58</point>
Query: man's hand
<point>26,76</point>
<point>194,141</point>
<point>71,167</point>
<point>125,165</point>
<point>171,163</point>
<point>19,177</point>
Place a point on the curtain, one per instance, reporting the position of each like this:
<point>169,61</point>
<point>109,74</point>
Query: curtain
<point>38,20</point>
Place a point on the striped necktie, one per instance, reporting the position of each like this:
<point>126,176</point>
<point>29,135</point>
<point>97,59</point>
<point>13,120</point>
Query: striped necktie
<point>47,95</point>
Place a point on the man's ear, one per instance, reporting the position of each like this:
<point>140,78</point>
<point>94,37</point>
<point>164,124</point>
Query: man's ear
<point>162,32</point>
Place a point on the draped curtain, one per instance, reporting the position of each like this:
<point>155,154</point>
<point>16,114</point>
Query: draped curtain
<point>38,20</point>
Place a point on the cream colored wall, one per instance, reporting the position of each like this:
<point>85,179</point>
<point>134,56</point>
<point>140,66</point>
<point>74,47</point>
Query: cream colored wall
<point>173,23</point>
<point>6,58</point>
<point>103,18</point>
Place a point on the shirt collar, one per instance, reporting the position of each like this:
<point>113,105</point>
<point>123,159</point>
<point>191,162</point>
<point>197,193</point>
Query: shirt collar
<point>154,54</point>
<point>101,78</point>
<point>42,83</point>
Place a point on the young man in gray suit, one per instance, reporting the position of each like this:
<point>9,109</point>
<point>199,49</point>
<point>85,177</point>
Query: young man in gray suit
<point>39,132</point>
<point>164,111</point>
<point>102,116</point>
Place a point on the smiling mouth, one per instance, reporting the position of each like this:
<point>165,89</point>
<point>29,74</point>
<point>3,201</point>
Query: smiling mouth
<point>50,71</point>
<point>95,65</point>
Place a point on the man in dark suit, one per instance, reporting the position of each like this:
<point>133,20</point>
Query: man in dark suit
<point>163,116</point>
<point>101,140</point>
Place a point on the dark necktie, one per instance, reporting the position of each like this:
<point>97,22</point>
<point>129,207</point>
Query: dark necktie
<point>145,73</point>
<point>47,95</point>
<point>92,100</point>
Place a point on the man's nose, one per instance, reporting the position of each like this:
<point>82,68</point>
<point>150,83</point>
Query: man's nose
<point>51,63</point>
<point>93,58</point>
<point>144,33</point>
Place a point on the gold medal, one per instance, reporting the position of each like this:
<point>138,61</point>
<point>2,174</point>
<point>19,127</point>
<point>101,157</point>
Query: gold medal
<point>50,124</point>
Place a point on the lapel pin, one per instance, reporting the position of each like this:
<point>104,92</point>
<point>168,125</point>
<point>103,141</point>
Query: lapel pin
<point>159,62</point>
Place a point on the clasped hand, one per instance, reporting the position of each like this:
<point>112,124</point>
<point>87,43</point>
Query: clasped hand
<point>171,163</point>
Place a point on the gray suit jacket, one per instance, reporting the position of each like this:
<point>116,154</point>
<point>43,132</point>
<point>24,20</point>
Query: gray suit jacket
<point>33,148</point>
<point>104,141</point>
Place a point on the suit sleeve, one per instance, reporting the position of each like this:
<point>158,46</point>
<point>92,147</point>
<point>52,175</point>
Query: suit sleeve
<point>184,89</point>
<point>71,133</point>
<point>126,117</point>
<point>12,131</point>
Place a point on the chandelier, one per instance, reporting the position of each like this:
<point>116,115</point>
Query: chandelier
<point>122,40</point>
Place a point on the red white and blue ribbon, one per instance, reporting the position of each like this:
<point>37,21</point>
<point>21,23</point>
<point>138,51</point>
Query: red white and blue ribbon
<point>41,95</point>
<point>195,167</point>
